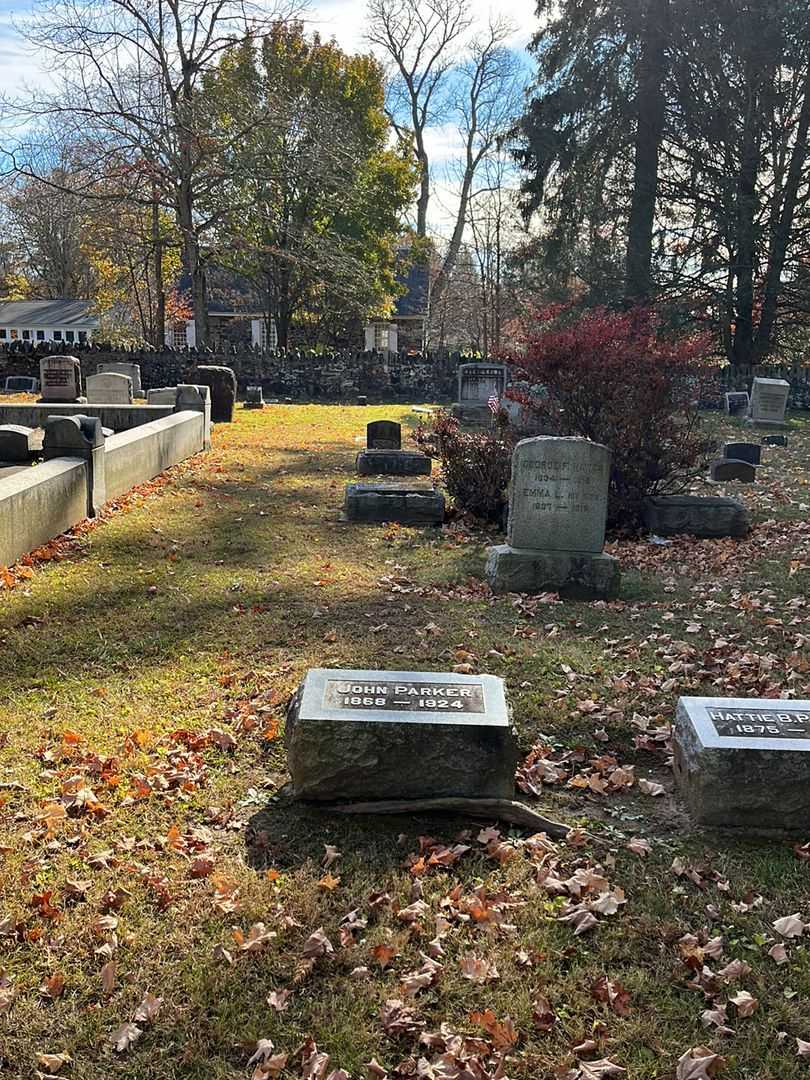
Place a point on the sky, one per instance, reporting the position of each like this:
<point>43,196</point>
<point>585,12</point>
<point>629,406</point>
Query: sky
<point>21,69</point>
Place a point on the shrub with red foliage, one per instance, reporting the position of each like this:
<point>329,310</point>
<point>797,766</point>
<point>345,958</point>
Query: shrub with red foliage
<point>475,465</point>
<point>617,378</point>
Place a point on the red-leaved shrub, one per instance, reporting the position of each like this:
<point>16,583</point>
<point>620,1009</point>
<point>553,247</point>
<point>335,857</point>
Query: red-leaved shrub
<point>619,379</point>
<point>475,465</point>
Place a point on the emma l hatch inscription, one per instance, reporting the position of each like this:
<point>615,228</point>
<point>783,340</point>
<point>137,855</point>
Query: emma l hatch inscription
<point>405,696</point>
<point>760,723</point>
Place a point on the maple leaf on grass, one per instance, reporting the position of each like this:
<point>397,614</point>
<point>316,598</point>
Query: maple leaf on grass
<point>543,1015</point>
<point>503,1033</point>
<point>790,926</point>
<point>477,969</point>
<point>744,1003</point>
<point>279,999</point>
<point>53,1062</point>
<point>258,936</point>
<point>613,994</point>
<point>384,954</point>
<point>802,1048</point>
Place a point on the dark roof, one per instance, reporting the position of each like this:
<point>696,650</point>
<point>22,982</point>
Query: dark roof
<point>229,293</point>
<point>30,314</point>
<point>414,301</point>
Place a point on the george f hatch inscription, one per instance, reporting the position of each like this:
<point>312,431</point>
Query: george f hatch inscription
<point>405,695</point>
<point>559,494</point>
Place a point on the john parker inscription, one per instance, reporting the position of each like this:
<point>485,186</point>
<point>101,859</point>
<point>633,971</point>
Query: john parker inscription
<point>404,696</point>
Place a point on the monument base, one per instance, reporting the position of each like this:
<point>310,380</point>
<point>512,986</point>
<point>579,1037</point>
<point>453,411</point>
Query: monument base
<point>472,412</point>
<point>63,401</point>
<point>575,575</point>
<point>767,425</point>
<point>393,463</point>
<point>404,504</point>
<point>253,405</point>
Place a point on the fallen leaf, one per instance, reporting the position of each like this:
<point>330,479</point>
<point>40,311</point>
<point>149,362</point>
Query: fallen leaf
<point>789,926</point>
<point>279,999</point>
<point>108,977</point>
<point>124,1036</point>
<point>744,1003</point>
<point>148,1008</point>
<point>699,1063</point>
<point>317,944</point>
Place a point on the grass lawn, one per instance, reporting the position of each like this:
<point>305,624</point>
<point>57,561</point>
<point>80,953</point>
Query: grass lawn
<point>144,854</point>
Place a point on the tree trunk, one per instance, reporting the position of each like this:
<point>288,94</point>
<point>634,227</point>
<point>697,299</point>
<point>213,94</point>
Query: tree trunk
<point>447,267</point>
<point>159,325</point>
<point>650,118</point>
<point>743,345</point>
<point>784,227</point>
<point>424,193</point>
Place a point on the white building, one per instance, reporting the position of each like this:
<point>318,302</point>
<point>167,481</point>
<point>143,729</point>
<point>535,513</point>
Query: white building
<point>37,321</point>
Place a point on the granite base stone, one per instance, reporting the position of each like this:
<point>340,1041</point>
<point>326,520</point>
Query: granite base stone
<point>349,754</point>
<point>575,575</point>
<point>376,503</point>
<point>707,517</point>
<point>759,787</point>
<point>393,463</point>
<point>472,412</point>
<point>768,425</point>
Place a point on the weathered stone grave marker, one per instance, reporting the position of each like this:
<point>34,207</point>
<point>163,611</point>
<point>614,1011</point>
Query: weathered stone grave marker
<point>400,735</point>
<point>769,402</point>
<point>61,379</point>
<point>109,388</point>
<point>254,398</point>
<point>407,504</point>
<point>723,469</point>
<point>774,440</point>
<point>744,763</point>
<point>162,395</point>
<point>743,451</point>
<point>737,403</point>
<point>708,517</point>
<point>477,383</point>
<point>120,367</point>
<point>557,513</point>
<point>222,383</point>
<point>20,384</point>
<point>383,455</point>
<point>383,435</point>
<point>79,437</point>
<point>16,443</point>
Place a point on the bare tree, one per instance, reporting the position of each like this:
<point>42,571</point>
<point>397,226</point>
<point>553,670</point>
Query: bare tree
<point>421,37</point>
<point>131,98</point>
<point>441,73</point>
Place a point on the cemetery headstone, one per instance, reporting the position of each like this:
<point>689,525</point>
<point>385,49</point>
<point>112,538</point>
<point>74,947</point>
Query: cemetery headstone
<point>737,403</point>
<point>477,384</point>
<point>20,384</point>
<point>222,382</point>
<point>362,400</point>
<point>407,504</point>
<point>120,367</point>
<point>743,451</point>
<point>254,398</point>
<point>707,517</point>
<point>556,528</point>
<point>79,437</point>
<point>383,435</point>
<point>109,388</point>
<point>61,379</point>
<point>774,440</point>
<point>723,469</point>
<point>163,395</point>
<point>400,735</point>
<point>16,443</point>
<point>769,402</point>
<point>192,398</point>
<point>743,763</point>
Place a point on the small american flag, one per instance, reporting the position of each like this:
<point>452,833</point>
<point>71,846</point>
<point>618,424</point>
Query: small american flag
<point>494,403</point>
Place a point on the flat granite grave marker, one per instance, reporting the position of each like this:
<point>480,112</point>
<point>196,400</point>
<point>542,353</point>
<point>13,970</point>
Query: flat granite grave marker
<point>400,735</point>
<point>61,379</point>
<point>407,504</point>
<point>774,440</point>
<point>383,455</point>
<point>705,516</point>
<point>557,512</point>
<point>744,763</point>
<point>769,402</point>
<point>20,384</point>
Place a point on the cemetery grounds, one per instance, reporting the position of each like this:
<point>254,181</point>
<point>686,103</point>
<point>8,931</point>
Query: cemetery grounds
<point>163,910</point>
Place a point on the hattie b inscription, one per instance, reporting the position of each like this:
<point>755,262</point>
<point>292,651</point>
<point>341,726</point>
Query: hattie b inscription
<point>762,723</point>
